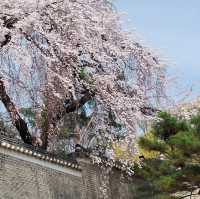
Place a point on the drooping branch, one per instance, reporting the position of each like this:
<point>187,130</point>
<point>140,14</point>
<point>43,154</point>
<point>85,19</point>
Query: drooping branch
<point>17,121</point>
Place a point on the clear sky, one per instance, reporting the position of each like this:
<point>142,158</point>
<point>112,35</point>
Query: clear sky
<point>173,27</point>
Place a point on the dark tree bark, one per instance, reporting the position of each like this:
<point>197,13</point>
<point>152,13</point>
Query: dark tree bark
<point>75,104</point>
<point>71,106</point>
<point>17,121</point>
<point>149,111</point>
<point>45,135</point>
<point>6,41</point>
<point>45,130</point>
<point>8,23</point>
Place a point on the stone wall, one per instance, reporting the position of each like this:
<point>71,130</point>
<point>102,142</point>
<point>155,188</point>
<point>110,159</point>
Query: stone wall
<point>29,178</point>
<point>26,175</point>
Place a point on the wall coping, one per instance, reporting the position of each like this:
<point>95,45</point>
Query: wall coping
<point>5,143</point>
<point>28,150</point>
<point>40,162</point>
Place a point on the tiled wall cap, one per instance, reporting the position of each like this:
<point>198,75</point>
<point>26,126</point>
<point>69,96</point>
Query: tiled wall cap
<point>26,151</point>
<point>8,145</point>
<point>39,155</point>
<point>3,144</point>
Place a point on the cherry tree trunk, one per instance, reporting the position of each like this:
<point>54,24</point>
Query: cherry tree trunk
<point>17,121</point>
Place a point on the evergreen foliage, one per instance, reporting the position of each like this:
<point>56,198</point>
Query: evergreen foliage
<point>174,171</point>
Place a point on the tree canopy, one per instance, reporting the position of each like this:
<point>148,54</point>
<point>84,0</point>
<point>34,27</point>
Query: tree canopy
<point>56,56</point>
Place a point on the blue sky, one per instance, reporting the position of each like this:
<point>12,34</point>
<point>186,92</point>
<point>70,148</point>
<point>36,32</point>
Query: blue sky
<point>172,27</point>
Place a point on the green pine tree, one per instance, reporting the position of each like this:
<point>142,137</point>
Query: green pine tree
<point>175,171</point>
